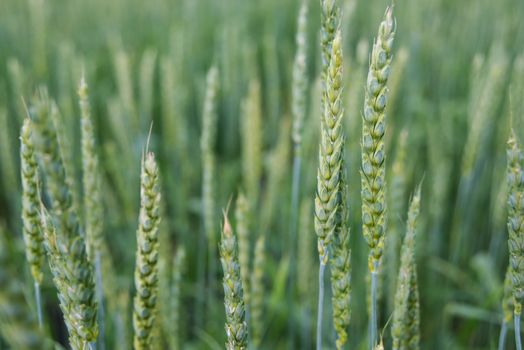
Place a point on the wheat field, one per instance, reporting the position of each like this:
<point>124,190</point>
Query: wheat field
<point>281,174</point>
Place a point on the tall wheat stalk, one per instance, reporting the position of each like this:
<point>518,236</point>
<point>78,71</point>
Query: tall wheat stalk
<point>330,159</point>
<point>207,144</point>
<point>298,103</point>
<point>93,207</point>
<point>515,178</point>
<point>373,172</point>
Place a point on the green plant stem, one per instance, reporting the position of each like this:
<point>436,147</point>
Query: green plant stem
<point>321,271</point>
<point>518,342</point>
<point>38,299</point>
<point>373,317</point>
<point>100,299</point>
<point>295,192</point>
<point>502,338</point>
<point>201,281</point>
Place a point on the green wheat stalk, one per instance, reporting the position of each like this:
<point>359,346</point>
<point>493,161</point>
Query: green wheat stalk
<point>179,261</point>
<point>257,285</point>
<point>330,159</point>
<point>93,207</point>
<point>207,144</point>
<point>515,179</point>
<point>373,173</point>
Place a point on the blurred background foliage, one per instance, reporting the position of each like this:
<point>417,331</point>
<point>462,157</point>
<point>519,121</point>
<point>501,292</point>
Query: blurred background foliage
<point>458,76</point>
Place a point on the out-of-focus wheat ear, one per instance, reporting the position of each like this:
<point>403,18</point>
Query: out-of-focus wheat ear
<point>298,108</point>
<point>93,206</point>
<point>257,285</point>
<point>207,145</point>
<point>515,179</point>
<point>236,326</point>
<point>406,318</point>
<point>396,210</point>
<point>146,269</point>
<point>33,239</point>
<point>176,340</point>
<point>251,136</point>
<point>244,250</point>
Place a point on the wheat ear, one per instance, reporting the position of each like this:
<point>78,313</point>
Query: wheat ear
<point>373,173</point>
<point>33,239</point>
<point>93,207</point>
<point>64,241</point>
<point>405,329</point>
<point>236,326</point>
<point>18,326</point>
<point>330,156</point>
<point>146,269</point>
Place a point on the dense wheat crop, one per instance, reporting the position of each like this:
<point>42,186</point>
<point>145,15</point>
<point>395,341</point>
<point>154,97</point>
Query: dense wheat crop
<point>278,174</point>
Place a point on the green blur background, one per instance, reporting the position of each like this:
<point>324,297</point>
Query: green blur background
<point>457,80</point>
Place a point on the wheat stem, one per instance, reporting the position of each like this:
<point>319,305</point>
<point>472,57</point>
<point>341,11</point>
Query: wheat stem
<point>373,318</point>
<point>502,338</point>
<point>38,299</point>
<point>518,342</point>
<point>321,270</point>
